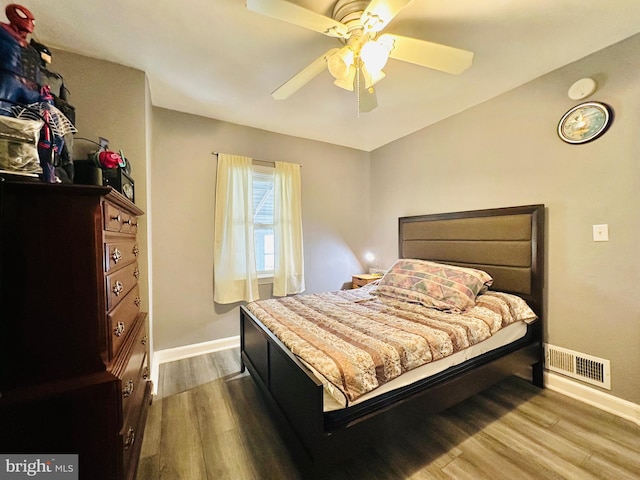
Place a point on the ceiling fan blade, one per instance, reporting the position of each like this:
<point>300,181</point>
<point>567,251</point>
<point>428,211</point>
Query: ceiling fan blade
<point>297,15</point>
<point>427,54</point>
<point>380,12</point>
<point>303,77</point>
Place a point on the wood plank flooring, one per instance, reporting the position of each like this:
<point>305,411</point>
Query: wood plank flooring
<point>209,422</point>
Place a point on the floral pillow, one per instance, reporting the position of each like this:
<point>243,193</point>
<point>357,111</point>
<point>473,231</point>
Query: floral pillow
<point>445,287</point>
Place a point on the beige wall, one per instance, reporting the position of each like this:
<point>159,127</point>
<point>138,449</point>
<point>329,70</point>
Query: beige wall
<point>506,152</point>
<point>335,208</point>
<point>110,102</point>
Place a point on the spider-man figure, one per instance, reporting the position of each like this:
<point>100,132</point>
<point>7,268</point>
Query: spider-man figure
<point>19,62</point>
<point>21,23</point>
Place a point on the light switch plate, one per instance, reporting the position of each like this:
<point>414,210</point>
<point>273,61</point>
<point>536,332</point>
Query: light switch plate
<point>601,233</point>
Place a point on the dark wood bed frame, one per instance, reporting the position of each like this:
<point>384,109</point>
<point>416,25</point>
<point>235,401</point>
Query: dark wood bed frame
<point>508,243</point>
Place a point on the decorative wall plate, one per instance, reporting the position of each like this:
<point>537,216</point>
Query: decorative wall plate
<point>584,122</point>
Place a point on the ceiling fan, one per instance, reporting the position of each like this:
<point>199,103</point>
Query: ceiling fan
<point>358,64</point>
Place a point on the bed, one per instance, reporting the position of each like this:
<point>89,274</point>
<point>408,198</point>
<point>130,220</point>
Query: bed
<point>506,243</point>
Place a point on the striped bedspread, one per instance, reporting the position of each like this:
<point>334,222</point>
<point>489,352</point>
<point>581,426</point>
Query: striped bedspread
<point>357,342</point>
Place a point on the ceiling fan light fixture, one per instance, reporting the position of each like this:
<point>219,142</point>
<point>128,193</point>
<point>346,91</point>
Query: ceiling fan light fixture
<point>371,78</point>
<point>340,63</point>
<point>347,80</point>
<point>374,55</point>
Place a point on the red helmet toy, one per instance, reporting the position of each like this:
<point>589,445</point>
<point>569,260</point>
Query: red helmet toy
<point>108,159</point>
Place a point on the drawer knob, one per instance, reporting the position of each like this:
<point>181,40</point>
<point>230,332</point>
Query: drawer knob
<point>117,218</point>
<point>128,389</point>
<point>136,250</point>
<point>136,273</point>
<point>118,288</point>
<point>144,340</point>
<point>116,255</point>
<point>119,330</point>
<point>137,301</point>
<point>145,373</point>
<point>131,437</point>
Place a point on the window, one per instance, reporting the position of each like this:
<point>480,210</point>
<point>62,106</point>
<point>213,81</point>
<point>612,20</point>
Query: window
<point>263,186</point>
<point>264,240</point>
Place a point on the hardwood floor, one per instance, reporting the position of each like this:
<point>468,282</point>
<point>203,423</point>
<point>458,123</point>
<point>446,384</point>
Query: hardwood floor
<point>209,422</point>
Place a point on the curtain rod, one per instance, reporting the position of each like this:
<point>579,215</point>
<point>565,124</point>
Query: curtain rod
<point>269,162</point>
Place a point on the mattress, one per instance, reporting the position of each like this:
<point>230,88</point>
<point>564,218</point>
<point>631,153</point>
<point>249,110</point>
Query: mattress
<point>333,401</point>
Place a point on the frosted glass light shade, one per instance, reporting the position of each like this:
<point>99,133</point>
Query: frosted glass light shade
<point>374,55</point>
<point>340,62</point>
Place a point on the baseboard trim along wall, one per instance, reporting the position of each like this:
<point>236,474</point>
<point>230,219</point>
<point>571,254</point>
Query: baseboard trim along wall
<point>604,401</point>
<point>553,381</point>
<point>187,351</point>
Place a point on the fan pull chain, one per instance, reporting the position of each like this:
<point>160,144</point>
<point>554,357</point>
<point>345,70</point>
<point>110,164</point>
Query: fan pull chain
<point>358,90</point>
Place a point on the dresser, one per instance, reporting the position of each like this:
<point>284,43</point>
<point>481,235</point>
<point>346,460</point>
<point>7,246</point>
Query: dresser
<point>74,361</point>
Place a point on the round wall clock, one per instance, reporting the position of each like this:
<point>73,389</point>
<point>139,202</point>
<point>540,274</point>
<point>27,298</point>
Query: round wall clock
<point>584,122</point>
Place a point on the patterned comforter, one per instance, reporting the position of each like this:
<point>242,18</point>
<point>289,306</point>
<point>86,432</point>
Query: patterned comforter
<point>358,341</point>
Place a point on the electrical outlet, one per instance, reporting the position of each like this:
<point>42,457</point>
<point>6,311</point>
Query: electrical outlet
<point>601,233</point>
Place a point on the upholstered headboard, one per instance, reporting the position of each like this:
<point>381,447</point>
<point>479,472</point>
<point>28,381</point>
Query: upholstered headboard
<point>507,243</point>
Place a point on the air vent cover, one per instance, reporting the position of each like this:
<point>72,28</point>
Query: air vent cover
<point>587,368</point>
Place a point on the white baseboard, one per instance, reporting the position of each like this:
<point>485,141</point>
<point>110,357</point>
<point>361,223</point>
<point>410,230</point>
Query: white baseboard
<point>591,396</point>
<point>187,351</point>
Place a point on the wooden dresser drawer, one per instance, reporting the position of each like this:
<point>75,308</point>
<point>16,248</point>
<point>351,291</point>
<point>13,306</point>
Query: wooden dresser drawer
<point>120,253</point>
<point>112,217</point>
<point>120,283</point>
<point>133,378</point>
<point>121,320</point>
<point>130,366</point>
<point>132,433</point>
<point>118,220</point>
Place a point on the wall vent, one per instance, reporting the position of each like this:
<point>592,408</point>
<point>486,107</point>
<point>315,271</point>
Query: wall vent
<point>593,370</point>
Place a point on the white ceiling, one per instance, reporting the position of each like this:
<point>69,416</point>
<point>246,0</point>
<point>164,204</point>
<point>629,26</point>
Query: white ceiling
<point>216,59</point>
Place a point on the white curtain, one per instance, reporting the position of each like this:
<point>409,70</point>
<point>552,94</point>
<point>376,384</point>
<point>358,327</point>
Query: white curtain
<point>234,251</point>
<point>288,275</point>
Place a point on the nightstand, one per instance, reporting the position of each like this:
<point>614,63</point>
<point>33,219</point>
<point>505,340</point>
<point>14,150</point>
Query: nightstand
<point>362,279</point>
